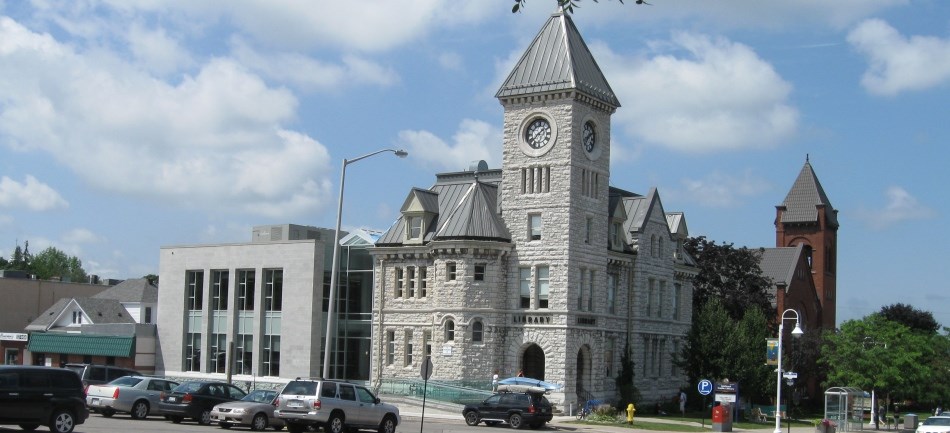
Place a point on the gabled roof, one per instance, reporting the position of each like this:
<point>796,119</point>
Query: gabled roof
<point>677,223</point>
<point>98,311</point>
<point>424,200</point>
<point>475,216</point>
<point>639,210</point>
<point>465,206</point>
<point>131,290</point>
<point>558,59</point>
<point>801,203</point>
<point>779,263</point>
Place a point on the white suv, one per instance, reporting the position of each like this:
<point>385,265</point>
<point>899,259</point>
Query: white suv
<point>336,406</point>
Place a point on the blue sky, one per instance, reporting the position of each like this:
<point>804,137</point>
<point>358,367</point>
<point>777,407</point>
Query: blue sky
<point>129,125</point>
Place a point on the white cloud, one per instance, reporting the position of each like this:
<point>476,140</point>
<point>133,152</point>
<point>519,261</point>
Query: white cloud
<point>721,189</point>
<point>213,140</point>
<point>900,207</point>
<point>81,236</point>
<point>31,194</point>
<point>311,74</point>
<point>475,140</point>
<point>898,63</point>
<point>158,51</point>
<point>700,94</point>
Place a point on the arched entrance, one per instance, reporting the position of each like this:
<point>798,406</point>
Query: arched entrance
<point>532,362</point>
<point>582,381</point>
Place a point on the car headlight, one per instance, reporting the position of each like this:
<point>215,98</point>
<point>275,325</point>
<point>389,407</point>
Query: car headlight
<point>239,411</point>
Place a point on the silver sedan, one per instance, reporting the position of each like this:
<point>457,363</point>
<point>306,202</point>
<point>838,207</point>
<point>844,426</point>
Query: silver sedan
<point>255,410</point>
<point>137,395</point>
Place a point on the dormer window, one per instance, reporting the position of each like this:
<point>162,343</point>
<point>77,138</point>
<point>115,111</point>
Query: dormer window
<point>77,317</point>
<point>616,235</point>
<point>414,227</point>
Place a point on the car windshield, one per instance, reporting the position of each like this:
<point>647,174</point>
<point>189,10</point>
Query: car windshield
<point>938,420</point>
<point>77,368</point>
<point>126,381</point>
<point>260,396</point>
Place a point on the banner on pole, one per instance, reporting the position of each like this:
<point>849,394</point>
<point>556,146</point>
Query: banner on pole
<point>771,352</point>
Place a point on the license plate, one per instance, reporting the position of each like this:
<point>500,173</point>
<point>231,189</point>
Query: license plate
<point>172,399</point>
<point>95,402</point>
<point>295,403</point>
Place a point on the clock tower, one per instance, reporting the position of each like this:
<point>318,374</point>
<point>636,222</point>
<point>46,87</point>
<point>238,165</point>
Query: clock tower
<point>555,183</point>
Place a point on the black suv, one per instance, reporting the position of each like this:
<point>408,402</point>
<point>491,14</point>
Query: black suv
<point>35,396</point>
<point>92,374</point>
<point>518,409</point>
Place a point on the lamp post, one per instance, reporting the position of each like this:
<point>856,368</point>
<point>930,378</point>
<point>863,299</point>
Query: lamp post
<point>797,332</point>
<point>334,271</point>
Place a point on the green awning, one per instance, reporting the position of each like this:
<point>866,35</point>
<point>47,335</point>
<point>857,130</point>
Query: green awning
<point>79,344</point>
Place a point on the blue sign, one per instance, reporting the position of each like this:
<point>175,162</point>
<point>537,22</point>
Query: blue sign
<point>705,387</point>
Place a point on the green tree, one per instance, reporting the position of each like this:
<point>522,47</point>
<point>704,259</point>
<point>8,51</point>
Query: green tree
<point>917,320</point>
<point>21,258</point>
<point>731,275</point>
<point>52,262</point>
<point>627,390</point>
<point>879,354</point>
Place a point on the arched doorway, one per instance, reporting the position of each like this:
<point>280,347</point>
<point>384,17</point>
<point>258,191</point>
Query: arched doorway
<point>532,362</point>
<point>582,381</point>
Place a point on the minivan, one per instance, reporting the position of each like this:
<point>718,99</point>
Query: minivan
<point>92,374</point>
<point>31,396</point>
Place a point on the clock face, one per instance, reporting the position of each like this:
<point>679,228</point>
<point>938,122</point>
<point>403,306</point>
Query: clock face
<point>538,133</point>
<point>590,137</point>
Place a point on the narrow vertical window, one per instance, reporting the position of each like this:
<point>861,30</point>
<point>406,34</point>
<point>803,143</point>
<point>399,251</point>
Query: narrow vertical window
<point>245,290</point>
<point>219,290</point>
<point>449,330</point>
<point>534,227</point>
<point>611,293</point>
<point>547,179</point>
<point>581,282</point>
<point>676,300</point>
<point>427,342</point>
<point>543,281</point>
<point>423,281</point>
<point>590,292</point>
<point>659,300</point>
<point>408,352</point>
<point>525,284</point>
<point>524,180</point>
<point>589,228</point>
<point>651,293</point>
<point>477,332</point>
<point>195,289</point>
<point>390,347</point>
<point>450,271</point>
<point>400,282</point>
<point>411,281</point>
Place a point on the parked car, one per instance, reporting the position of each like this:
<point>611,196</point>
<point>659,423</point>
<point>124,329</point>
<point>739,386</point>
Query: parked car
<point>518,409</point>
<point>137,395</point>
<point>196,399</point>
<point>92,374</point>
<point>256,410</point>
<point>34,396</point>
<point>935,424</point>
<point>336,406</point>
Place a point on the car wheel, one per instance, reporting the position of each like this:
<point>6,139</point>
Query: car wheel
<point>107,413</point>
<point>335,424</point>
<point>259,422</point>
<point>29,427</point>
<point>515,421</point>
<point>62,421</point>
<point>224,425</point>
<point>471,418</point>
<point>388,425</point>
<point>140,409</point>
<point>175,419</point>
<point>204,418</point>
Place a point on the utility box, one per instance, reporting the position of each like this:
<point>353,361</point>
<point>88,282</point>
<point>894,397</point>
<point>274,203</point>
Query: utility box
<point>910,421</point>
<point>721,418</point>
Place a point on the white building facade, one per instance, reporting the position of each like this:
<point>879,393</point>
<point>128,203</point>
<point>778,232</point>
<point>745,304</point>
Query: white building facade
<point>539,266</point>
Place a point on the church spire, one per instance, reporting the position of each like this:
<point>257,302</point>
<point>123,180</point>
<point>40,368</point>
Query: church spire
<point>558,59</point>
<point>802,202</point>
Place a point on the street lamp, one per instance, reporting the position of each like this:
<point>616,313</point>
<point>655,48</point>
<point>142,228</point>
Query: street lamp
<point>797,332</point>
<point>334,271</point>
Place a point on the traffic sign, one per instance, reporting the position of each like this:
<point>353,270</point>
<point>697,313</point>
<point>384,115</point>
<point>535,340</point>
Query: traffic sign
<point>426,370</point>
<point>705,387</point>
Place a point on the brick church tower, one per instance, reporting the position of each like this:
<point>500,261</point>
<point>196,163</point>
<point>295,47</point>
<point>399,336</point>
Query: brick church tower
<point>807,217</point>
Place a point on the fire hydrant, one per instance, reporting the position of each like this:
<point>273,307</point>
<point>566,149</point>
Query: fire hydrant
<point>630,411</point>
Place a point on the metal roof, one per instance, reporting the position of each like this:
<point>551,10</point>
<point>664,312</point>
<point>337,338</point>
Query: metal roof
<point>131,290</point>
<point>677,223</point>
<point>801,203</point>
<point>98,311</point>
<point>475,216</point>
<point>558,59</point>
<point>81,344</point>
<point>779,263</point>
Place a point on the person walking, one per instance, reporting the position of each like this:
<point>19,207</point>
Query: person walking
<point>683,402</point>
<point>494,381</point>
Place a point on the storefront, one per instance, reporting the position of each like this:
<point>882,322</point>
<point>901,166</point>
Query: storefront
<point>13,345</point>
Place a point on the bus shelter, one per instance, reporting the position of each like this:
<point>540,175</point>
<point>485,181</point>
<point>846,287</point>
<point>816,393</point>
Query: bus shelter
<point>844,406</point>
